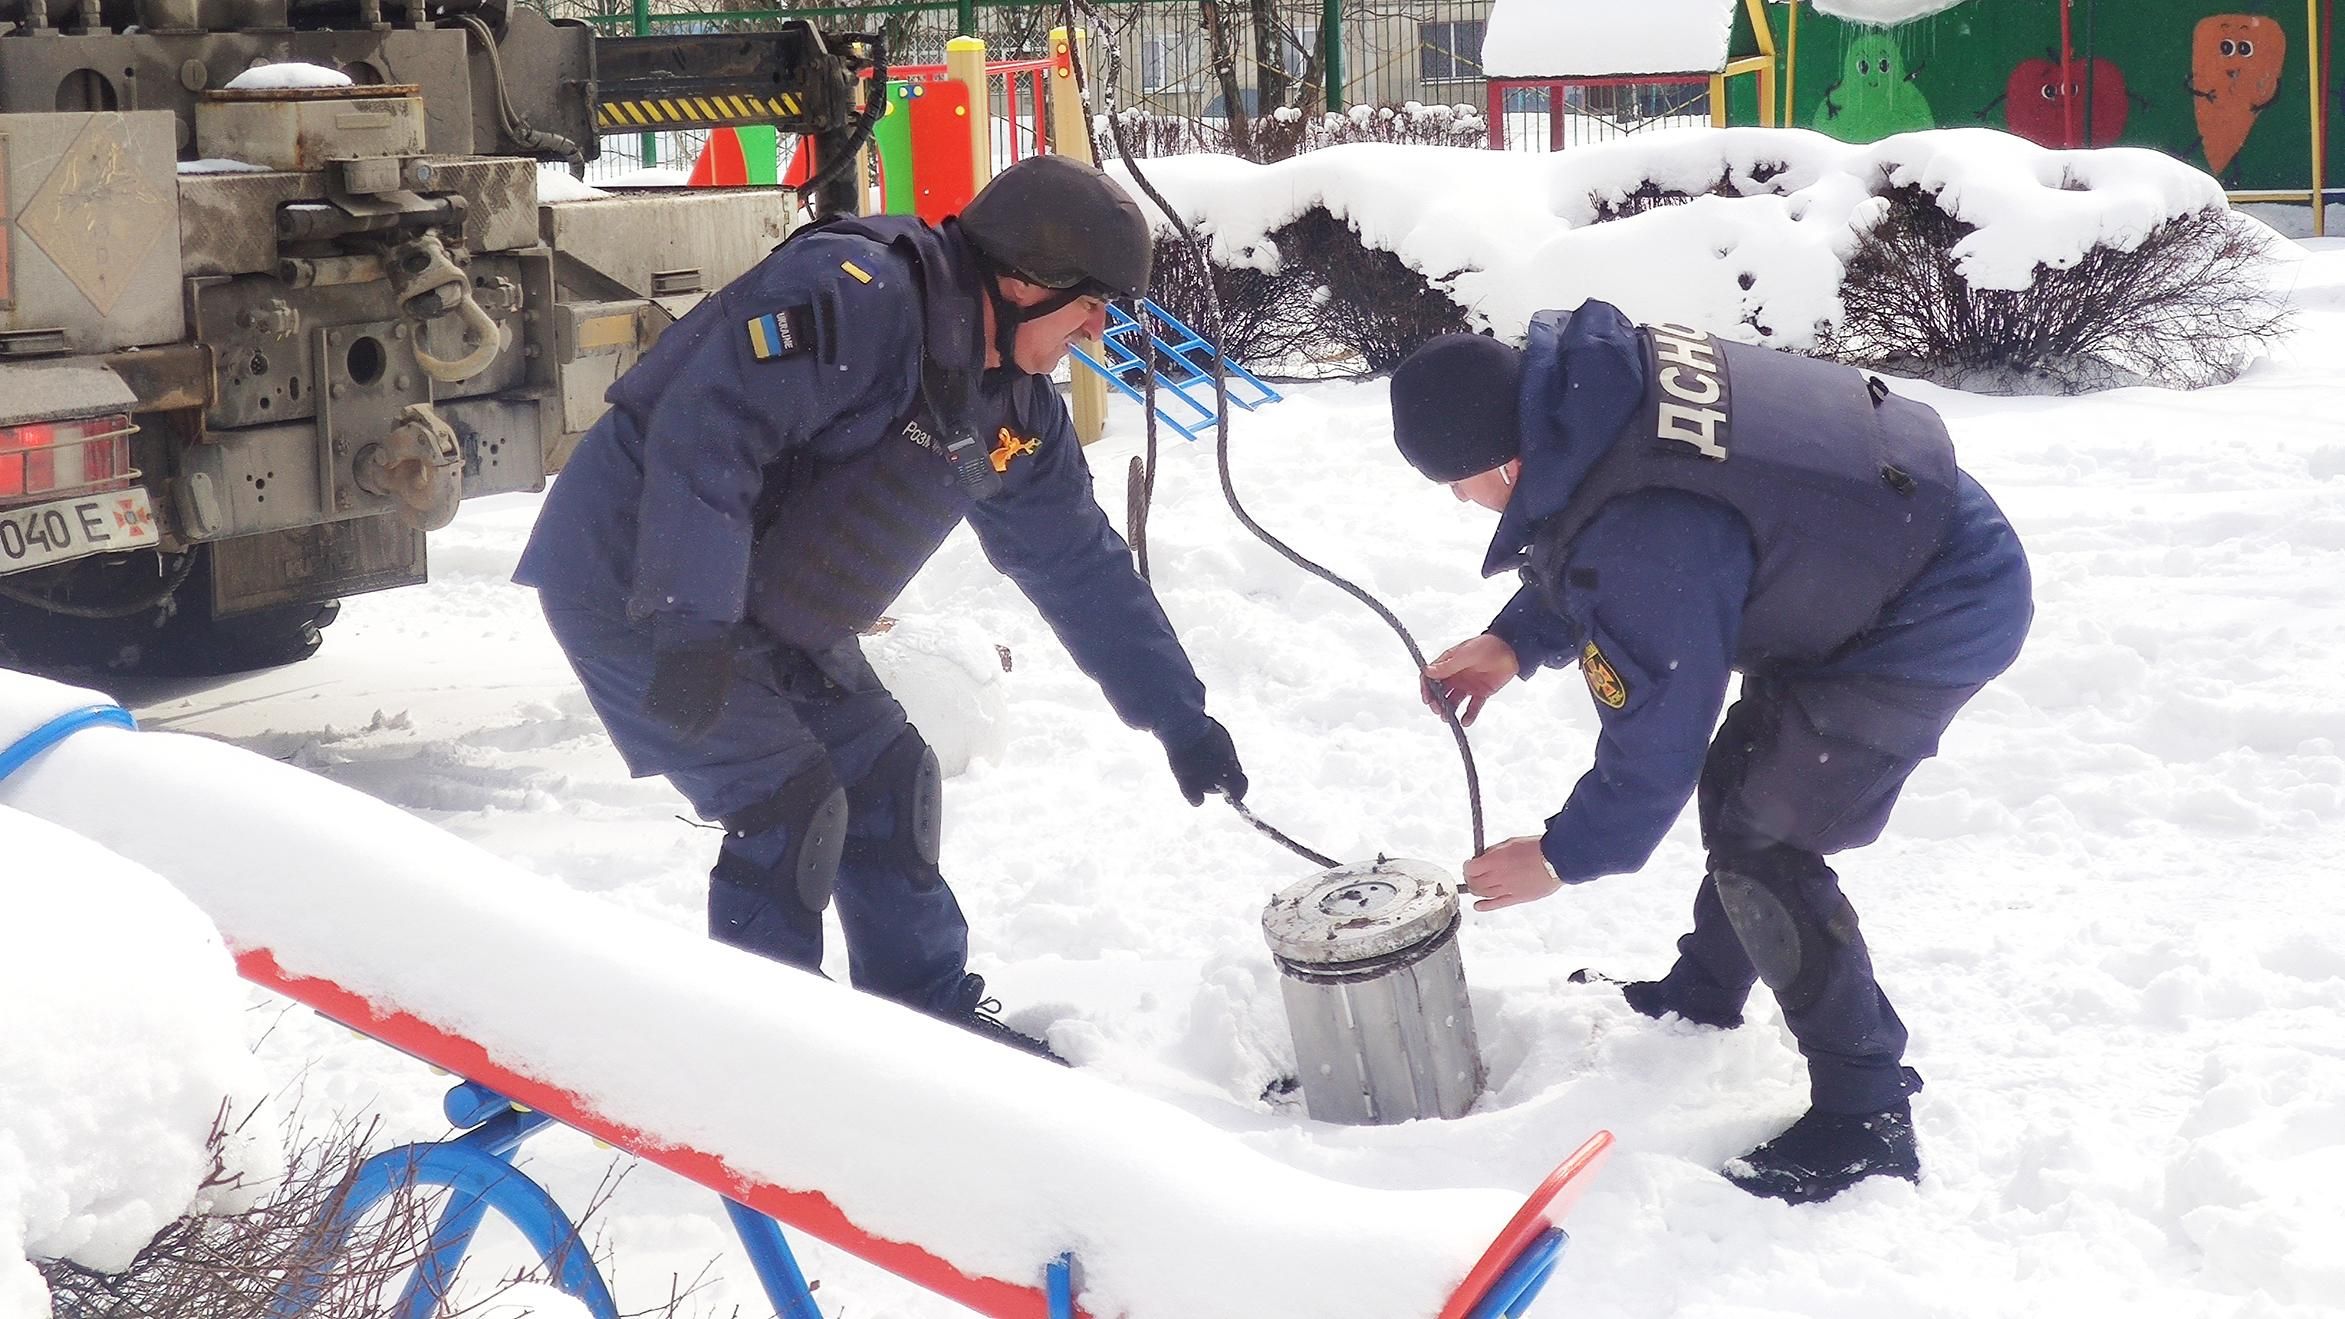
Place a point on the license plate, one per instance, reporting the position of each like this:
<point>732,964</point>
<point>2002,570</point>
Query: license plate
<point>72,528</point>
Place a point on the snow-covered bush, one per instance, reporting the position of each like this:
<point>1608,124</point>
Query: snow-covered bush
<point>121,1046</point>
<point>1332,301</point>
<point>227,1264</point>
<point>233,1264</point>
<point>2184,308</point>
<point>1265,314</point>
<point>1961,255</point>
<point>1365,299</point>
<point>142,1173</point>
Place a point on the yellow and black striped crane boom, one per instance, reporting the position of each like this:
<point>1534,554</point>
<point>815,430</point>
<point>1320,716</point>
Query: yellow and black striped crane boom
<point>793,79</point>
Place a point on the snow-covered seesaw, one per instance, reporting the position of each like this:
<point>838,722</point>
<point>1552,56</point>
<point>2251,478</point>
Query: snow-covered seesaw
<point>1013,1187</point>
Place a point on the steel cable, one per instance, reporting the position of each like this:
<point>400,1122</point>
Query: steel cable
<point>1214,327</point>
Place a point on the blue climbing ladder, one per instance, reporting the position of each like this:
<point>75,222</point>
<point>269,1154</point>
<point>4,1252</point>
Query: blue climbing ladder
<point>1184,370</point>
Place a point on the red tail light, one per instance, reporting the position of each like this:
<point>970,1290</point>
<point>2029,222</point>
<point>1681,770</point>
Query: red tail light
<point>64,457</point>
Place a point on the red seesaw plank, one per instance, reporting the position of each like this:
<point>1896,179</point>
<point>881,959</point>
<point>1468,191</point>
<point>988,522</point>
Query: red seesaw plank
<point>1546,1208</point>
<point>807,1211</point>
<point>810,1211</point>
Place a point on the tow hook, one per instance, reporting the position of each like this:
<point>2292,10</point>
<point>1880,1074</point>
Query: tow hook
<point>430,285</point>
<point>420,464</point>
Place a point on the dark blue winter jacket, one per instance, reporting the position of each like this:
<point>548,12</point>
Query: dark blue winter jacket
<point>1659,580</point>
<point>811,359</point>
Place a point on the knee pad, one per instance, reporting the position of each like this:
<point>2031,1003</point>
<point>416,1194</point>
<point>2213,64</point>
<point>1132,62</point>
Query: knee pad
<point>811,809</point>
<point>906,784</point>
<point>1787,909</point>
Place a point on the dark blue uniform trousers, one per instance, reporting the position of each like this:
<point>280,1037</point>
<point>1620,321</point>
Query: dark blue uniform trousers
<point>1777,795</point>
<point>906,937</point>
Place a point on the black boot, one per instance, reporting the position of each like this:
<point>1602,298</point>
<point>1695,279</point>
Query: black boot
<point>1653,998</point>
<point>1823,1154</point>
<point>972,1011</point>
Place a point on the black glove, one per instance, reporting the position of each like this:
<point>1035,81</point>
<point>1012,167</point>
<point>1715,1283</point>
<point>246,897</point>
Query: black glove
<point>688,687</point>
<point>1208,764</point>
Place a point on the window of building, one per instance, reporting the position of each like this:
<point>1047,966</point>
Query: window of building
<point>1169,63</point>
<point>1295,52</point>
<point>1152,61</point>
<point>1449,51</point>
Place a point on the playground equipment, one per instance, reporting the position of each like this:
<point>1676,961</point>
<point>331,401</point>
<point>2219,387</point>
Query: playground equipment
<point>937,143</point>
<point>556,1006</point>
<point>1693,47</point>
<point>940,140</point>
<point>1183,370</point>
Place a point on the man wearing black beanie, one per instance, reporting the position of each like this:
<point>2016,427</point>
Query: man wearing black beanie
<point>1682,509</point>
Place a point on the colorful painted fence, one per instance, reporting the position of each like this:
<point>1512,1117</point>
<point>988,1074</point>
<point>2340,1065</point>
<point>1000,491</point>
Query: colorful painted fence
<point>2240,88</point>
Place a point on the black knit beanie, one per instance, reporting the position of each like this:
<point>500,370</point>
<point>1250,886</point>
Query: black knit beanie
<point>1456,408</point>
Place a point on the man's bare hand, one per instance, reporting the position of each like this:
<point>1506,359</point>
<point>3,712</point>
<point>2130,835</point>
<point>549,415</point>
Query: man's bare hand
<point>1510,872</point>
<point>1468,674</point>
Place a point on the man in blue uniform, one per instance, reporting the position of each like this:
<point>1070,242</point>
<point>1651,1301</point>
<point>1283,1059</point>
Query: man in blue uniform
<point>1681,509</point>
<point>773,473</point>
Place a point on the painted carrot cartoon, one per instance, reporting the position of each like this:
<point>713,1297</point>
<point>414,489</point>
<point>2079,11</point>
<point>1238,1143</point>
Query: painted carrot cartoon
<point>2235,64</point>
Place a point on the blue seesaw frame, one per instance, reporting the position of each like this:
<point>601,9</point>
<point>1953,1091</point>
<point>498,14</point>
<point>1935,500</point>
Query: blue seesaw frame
<point>476,1168</point>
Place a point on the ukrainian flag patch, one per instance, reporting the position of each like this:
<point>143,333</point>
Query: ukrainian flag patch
<point>781,333</point>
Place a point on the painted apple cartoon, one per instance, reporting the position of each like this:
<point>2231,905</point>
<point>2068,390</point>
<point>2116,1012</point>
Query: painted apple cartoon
<point>2235,64</point>
<point>2043,108</point>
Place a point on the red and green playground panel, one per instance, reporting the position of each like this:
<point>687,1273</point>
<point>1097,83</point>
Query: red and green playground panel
<point>925,166</point>
<point>923,142</point>
<point>739,157</point>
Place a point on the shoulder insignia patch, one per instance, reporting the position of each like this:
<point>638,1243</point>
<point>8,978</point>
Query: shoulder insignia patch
<point>781,333</point>
<point>861,275</point>
<point>1009,445</point>
<point>1603,680</point>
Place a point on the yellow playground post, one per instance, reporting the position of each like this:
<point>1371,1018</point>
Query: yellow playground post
<point>1070,135</point>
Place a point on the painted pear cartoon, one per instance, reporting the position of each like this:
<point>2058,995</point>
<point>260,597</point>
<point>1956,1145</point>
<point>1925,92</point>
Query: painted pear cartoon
<point>1875,96</point>
<point>2235,63</point>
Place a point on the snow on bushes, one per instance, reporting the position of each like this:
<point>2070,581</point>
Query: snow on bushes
<point>122,1062</point>
<point>1771,235</point>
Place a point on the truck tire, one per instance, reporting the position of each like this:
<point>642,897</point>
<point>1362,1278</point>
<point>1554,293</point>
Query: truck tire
<point>145,615</point>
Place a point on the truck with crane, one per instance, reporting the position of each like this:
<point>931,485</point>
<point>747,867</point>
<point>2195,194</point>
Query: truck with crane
<point>278,291</point>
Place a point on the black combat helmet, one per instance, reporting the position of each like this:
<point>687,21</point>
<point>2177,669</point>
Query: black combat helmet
<point>1057,222</point>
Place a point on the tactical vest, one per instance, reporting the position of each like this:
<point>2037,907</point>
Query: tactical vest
<point>1848,490</point>
<point>839,541</point>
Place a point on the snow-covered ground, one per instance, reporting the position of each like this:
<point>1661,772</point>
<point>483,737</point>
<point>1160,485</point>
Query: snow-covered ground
<point>2109,912</point>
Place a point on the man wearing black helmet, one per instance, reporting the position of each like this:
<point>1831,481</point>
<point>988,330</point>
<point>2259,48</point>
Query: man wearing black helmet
<point>1683,509</point>
<point>773,473</point>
